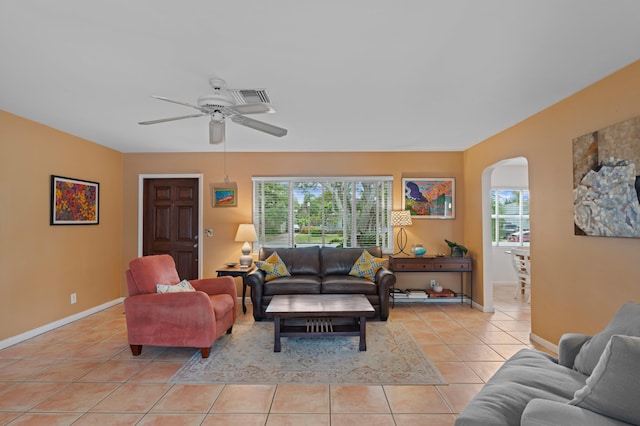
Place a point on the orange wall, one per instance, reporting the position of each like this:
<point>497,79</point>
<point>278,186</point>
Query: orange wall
<point>578,282</point>
<point>241,167</point>
<point>41,265</point>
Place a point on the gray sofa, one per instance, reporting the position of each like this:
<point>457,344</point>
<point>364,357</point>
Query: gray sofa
<point>320,270</point>
<point>594,381</point>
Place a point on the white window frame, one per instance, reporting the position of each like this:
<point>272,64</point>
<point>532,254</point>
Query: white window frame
<point>520,217</point>
<point>384,231</point>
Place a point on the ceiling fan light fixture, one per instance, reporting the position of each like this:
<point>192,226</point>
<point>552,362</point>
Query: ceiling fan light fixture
<point>216,131</point>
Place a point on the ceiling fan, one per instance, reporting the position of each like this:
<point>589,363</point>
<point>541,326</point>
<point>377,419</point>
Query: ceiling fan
<point>231,103</point>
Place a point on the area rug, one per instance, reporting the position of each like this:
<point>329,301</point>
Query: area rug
<point>246,356</point>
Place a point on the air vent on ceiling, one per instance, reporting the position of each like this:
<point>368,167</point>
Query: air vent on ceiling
<point>250,96</point>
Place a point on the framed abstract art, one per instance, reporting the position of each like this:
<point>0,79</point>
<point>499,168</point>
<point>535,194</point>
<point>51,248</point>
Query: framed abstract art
<point>430,198</point>
<point>225,194</point>
<point>74,201</point>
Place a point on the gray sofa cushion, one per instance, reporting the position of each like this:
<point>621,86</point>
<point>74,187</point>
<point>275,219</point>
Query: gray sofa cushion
<point>299,261</point>
<point>297,284</point>
<point>527,375</point>
<point>338,261</point>
<point>626,322</point>
<point>614,386</point>
<point>346,284</point>
<point>540,412</point>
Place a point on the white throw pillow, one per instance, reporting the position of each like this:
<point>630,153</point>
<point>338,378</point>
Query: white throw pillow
<point>183,285</point>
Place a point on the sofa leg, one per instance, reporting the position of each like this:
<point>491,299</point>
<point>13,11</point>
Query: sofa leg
<point>136,349</point>
<point>205,352</point>
<point>229,330</point>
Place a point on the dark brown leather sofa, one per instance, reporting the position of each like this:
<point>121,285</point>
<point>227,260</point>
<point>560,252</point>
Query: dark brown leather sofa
<point>320,270</point>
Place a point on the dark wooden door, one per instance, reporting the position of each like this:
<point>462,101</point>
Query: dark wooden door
<point>170,222</point>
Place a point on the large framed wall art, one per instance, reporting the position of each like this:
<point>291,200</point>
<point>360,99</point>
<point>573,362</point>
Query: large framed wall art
<point>606,181</point>
<point>74,201</point>
<point>430,198</point>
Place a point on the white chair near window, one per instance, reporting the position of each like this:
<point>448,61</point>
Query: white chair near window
<point>521,262</point>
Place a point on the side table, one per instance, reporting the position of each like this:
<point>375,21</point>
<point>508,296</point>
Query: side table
<point>237,271</point>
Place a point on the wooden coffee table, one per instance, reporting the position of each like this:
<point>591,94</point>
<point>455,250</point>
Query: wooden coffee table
<point>323,314</point>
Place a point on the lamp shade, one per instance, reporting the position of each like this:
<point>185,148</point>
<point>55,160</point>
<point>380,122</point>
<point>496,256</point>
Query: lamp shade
<point>246,232</point>
<point>400,218</point>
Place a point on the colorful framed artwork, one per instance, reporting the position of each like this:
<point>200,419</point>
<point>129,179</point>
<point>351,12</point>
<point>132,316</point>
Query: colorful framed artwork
<point>74,201</point>
<point>430,198</point>
<point>225,195</point>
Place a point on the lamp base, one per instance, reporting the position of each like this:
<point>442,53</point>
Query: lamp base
<point>246,260</point>
<point>401,241</point>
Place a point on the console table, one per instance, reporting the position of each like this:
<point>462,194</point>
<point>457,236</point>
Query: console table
<point>399,263</point>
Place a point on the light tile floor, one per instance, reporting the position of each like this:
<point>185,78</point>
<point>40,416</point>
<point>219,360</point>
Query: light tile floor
<point>84,374</point>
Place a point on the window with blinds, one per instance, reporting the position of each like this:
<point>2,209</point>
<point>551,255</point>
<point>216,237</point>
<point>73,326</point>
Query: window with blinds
<point>510,217</point>
<point>326,211</point>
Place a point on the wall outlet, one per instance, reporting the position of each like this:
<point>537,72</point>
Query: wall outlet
<point>433,283</point>
<point>73,298</point>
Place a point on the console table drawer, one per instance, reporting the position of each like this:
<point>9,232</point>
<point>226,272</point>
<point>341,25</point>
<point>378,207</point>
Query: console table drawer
<point>411,265</point>
<point>452,266</point>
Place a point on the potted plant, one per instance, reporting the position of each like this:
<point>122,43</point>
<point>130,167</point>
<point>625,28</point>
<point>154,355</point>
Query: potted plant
<point>457,250</point>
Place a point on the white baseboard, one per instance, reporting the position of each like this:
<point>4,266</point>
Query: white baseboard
<point>544,343</point>
<point>51,326</point>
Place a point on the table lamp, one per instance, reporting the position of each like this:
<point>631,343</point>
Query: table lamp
<point>247,233</point>
<point>401,218</point>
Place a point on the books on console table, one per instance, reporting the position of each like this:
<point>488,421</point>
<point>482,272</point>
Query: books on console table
<point>410,294</point>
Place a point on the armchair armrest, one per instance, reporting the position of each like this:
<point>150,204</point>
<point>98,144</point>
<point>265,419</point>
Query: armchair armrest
<point>569,346</point>
<point>165,305</point>
<point>217,285</point>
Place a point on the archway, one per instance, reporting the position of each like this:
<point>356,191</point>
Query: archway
<point>503,173</point>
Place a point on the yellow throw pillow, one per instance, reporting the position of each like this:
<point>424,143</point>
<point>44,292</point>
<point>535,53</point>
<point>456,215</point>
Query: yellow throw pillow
<point>273,267</point>
<point>366,266</point>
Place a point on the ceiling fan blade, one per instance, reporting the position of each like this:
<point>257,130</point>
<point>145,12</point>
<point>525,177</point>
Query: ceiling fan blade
<point>216,131</point>
<point>162,98</point>
<point>255,108</point>
<point>164,120</point>
<point>259,125</point>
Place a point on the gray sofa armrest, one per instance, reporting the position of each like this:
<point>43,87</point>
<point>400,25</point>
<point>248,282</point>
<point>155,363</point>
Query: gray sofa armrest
<point>541,412</point>
<point>569,346</point>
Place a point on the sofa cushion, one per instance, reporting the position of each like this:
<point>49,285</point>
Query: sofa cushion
<point>346,284</point>
<point>366,266</point>
<point>613,387</point>
<point>273,267</point>
<point>339,261</point>
<point>626,322</point>
<point>527,375</point>
<point>183,285</point>
<point>541,412</point>
<point>295,284</point>
<point>299,260</point>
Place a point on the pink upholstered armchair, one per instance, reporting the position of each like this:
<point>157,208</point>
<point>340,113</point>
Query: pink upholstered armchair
<point>185,319</point>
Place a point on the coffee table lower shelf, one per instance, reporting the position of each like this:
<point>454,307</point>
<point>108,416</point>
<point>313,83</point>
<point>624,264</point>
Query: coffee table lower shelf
<point>319,328</point>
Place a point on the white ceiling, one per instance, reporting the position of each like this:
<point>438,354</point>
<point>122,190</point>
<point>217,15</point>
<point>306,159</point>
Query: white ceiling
<point>344,75</point>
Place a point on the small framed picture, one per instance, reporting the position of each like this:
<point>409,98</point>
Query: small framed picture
<point>430,198</point>
<point>74,201</point>
<point>225,194</point>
